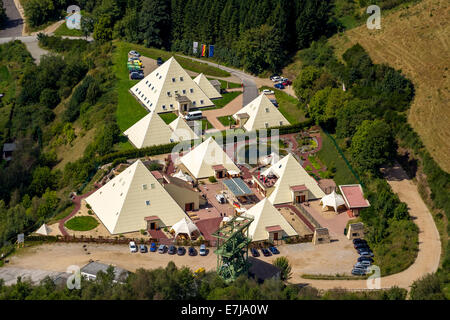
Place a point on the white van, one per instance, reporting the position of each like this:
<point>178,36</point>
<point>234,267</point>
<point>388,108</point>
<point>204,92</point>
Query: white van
<point>194,115</point>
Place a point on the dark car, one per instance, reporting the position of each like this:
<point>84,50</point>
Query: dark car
<point>142,248</point>
<point>136,76</point>
<point>266,252</point>
<point>365,259</point>
<point>358,240</point>
<point>274,250</point>
<point>361,245</point>
<point>191,251</point>
<point>159,61</point>
<point>153,247</point>
<point>254,252</point>
<point>181,251</point>
<point>279,86</point>
<point>358,272</point>
<point>172,250</point>
<point>274,102</point>
<point>366,253</point>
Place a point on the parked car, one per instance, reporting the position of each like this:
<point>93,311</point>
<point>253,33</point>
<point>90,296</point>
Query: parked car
<point>361,245</point>
<point>153,247</point>
<point>194,115</point>
<point>366,254</point>
<point>192,251</point>
<point>136,76</point>
<point>254,252</point>
<point>276,78</point>
<point>274,250</point>
<point>279,86</point>
<point>274,102</point>
<point>220,198</point>
<point>159,61</point>
<point>181,251</point>
<point>172,250</point>
<point>266,252</point>
<point>363,249</point>
<point>365,259</point>
<point>143,248</point>
<point>162,248</point>
<point>287,83</point>
<point>202,250</point>
<point>267,91</point>
<point>358,272</point>
<point>358,240</point>
<point>134,53</point>
<point>364,263</point>
<point>132,246</point>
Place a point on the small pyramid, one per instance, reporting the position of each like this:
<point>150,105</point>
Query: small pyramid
<point>151,130</point>
<point>262,114</point>
<point>182,129</point>
<point>207,87</point>
<point>201,159</point>
<point>266,215</point>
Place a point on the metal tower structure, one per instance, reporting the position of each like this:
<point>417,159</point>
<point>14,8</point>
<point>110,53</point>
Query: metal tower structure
<point>232,248</point>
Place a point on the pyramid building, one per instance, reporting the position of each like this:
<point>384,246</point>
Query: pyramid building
<point>202,161</point>
<point>259,114</point>
<point>125,202</point>
<point>151,130</point>
<point>182,129</point>
<point>293,181</point>
<point>207,87</point>
<point>170,88</point>
<point>268,221</point>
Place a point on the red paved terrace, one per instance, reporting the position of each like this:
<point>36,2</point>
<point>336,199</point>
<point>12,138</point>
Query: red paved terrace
<point>354,196</point>
<point>157,234</point>
<point>208,226</point>
<point>218,167</point>
<point>157,175</point>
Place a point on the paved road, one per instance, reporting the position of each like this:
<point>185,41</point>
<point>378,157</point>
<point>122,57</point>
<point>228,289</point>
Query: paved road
<point>14,25</point>
<point>10,274</point>
<point>250,87</point>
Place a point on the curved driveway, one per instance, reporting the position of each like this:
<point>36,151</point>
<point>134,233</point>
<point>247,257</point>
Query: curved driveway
<point>428,257</point>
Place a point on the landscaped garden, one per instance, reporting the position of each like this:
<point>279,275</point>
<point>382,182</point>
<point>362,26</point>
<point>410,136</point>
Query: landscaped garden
<point>83,223</point>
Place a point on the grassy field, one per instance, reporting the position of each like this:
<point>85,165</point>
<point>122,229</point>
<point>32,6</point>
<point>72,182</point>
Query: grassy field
<point>225,120</point>
<point>165,55</point>
<point>288,106</point>
<point>61,215</point>
<point>226,98</point>
<point>84,223</point>
<point>64,31</point>
<point>331,158</point>
<point>168,117</point>
<point>414,39</point>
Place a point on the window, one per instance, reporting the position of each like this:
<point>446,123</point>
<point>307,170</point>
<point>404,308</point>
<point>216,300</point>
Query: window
<point>266,124</point>
<point>193,102</point>
<point>184,91</point>
<point>152,186</point>
<point>168,93</point>
<point>137,89</point>
<point>147,202</point>
<point>153,88</point>
<point>159,77</point>
<point>181,78</point>
<point>201,101</point>
<point>164,107</point>
<point>173,79</point>
<point>171,106</point>
<point>191,90</point>
<point>267,110</point>
<point>146,82</point>
<point>281,123</point>
<point>157,74</point>
<point>144,187</point>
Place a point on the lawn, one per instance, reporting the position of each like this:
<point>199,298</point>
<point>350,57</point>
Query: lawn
<point>225,120</point>
<point>314,162</point>
<point>186,63</point>
<point>227,84</point>
<point>206,122</point>
<point>226,99</point>
<point>61,215</point>
<point>331,158</point>
<point>288,106</point>
<point>168,117</point>
<point>84,223</point>
<point>64,31</point>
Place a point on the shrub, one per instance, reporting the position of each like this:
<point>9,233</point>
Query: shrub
<point>212,179</point>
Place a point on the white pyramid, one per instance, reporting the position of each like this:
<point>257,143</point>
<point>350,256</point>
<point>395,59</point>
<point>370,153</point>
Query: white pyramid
<point>200,160</point>
<point>291,173</point>
<point>44,230</point>
<point>266,215</point>
<point>207,87</point>
<point>182,129</point>
<point>157,91</point>
<point>262,114</point>
<point>151,130</point>
<point>124,202</point>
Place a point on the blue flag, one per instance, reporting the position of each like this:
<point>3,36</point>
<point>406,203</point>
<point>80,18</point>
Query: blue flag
<point>211,50</point>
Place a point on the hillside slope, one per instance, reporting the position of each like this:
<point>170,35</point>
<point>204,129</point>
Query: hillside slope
<point>416,40</point>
